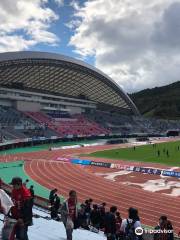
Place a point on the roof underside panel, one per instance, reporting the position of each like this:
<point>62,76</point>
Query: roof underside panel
<point>63,78</point>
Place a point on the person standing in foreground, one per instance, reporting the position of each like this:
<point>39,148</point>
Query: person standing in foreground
<point>8,229</point>
<point>118,226</point>
<point>129,225</point>
<point>110,223</point>
<point>95,217</point>
<point>55,208</point>
<point>22,209</point>
<point>164,224</point>
<point>52,196</point>
<point>69,214</point>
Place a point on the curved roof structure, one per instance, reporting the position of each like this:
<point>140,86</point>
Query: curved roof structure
<point>61,75</point>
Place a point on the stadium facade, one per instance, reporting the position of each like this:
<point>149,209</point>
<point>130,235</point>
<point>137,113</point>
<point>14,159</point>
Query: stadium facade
<point>41,81</point>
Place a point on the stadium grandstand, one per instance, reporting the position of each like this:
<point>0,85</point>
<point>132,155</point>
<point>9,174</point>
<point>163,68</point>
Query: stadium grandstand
<point>51,95</point>
<point>45,94</point>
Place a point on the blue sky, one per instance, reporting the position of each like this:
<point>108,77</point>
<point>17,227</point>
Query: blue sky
<point>135,42</point>
<point>65,13</point>
<point>59,27</point>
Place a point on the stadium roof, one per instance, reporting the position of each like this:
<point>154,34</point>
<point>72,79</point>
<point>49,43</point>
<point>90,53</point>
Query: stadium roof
<point>61,75</point>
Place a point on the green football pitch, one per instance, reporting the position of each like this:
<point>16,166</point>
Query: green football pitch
<point>146,153</point>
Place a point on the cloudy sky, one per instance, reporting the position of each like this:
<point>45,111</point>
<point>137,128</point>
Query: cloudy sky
<point>136,42</point>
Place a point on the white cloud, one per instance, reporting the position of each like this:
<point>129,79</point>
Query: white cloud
<point>135,42</point>
<point>24,24</point>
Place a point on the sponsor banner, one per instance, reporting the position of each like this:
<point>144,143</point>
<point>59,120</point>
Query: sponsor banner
<point>29,139</point>
<point>42,138</point>
<point>70,136</point>
<point>137,169</point>
<point>82,162</point>
<point>35,138</point>
<point>154,171</point>
<point>101,164</point>
<point>54,148</point>
<point>71,146</point>
<point>8,142</point>
<point>147,170</point>
<point>26,139</point>
<point>92,144</point>
<point>54,137</point>
<point>101,135</point>
<point>64,147</point>
<point>129,168</point>
<point>4,143</point>
<point>122,167</point>
<point>63,159</point>
<point>18,140</point>
<point>171,173</point>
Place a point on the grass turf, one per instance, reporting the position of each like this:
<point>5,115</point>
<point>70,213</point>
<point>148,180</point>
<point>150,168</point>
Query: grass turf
<point>145,153</point>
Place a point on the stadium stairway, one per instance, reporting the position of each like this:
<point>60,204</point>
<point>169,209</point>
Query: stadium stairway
<point>44,228</point>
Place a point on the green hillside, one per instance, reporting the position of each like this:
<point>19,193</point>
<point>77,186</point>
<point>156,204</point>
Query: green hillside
<point>160,102</point>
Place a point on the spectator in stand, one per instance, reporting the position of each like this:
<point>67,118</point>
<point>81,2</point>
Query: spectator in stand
<point>55,207</point>
<point>119,234</point>
<point>82,218</point>
<point>88,209</point>
<point>69,214</point>
<point>129,225</point>
<point>164,224</point>
<point>95,217</point>
<point>22,209</point>
<point>102,210</point>
<point>52,196</point>
<point>110,224</point>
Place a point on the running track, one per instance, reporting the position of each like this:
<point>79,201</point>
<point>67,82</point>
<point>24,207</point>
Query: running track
<point>53,174</point>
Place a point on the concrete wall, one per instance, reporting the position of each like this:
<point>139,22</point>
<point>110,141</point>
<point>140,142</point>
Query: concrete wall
<point>74,110</point>
<point>27,106</point>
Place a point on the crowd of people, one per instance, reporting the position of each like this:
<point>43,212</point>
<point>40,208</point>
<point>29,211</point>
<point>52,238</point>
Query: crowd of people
<point>88,215</point>
<point>96,217</point>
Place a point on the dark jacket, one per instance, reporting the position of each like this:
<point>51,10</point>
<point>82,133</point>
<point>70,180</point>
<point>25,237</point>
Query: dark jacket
<point>164,236</point>
<point>51,197</point>
<point>110,223</point>
<point>82,219</point>
<point>95,217</point>
<point>57,203</point>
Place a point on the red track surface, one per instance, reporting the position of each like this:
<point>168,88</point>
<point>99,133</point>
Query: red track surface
<point>64,176</point>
